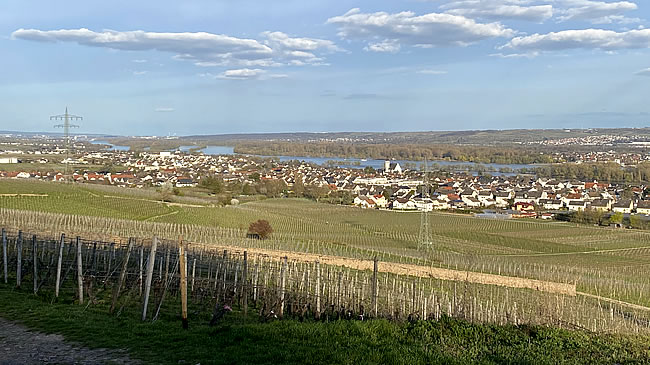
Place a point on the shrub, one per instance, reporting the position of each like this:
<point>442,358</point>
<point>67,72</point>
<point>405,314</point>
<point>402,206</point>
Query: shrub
<point>260,229</point>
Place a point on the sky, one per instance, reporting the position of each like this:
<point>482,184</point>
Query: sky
<point>253,66</point>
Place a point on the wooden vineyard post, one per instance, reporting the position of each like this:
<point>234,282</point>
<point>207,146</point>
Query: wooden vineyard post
<point>35,262</point>
<point>318,291</point>
<point>141,265</point>
<point>4,254</point>
<point>244,282</point>
<point>193,272</point>
<point>338,291</point>
<point>58,266</point>
<point>19,256</point>
<point>374,285</point>
<point>125,264</point>
<point>413,307</point>
<point>93,263</point>
<point>80,277</point>
<point>283,280</point>
<point>147,286</point>
<point>167,264</point>
<point>110,253</point>
<point>183,268</point>
<point>225,268</point>
<point>256,280</point>
<point>424,309</point>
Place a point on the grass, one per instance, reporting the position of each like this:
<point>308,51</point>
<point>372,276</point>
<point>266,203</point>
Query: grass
<point>239,340</point>
<point>45,167</point>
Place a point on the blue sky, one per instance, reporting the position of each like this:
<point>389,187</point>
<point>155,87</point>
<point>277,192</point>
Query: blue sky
<point>210,67</point>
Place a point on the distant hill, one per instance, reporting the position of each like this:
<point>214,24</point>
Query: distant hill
<point>474,137</point>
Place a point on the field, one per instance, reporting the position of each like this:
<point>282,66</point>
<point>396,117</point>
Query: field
<point>46,167</point>
<point>609,268</point>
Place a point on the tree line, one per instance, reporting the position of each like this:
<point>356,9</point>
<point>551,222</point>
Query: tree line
<point>416,152</point>
<point>610,172</point>
<point>600,218</point>
<point>274,188</point>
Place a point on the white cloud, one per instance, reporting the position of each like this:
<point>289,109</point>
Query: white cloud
<point>515,55</point>
<point>593,11</point>
<point>244,74</point>
<point>207,74</point>
<point>607,40</point>
<point>386,46</point>
<point>140,61</point>
<point>139,73</point>
<point>432,72</point>
<point>644,72</point>
<point>204,49</point>
<point>433,29</point>
<point>279,40</point>
<point>164,110</point>
<point>500,9</point>
<point>596,12</point>
<point>241,74</point>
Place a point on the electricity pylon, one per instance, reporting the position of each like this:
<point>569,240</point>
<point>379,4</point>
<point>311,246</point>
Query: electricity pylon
<point>66,118</point>
<point>424,239</point>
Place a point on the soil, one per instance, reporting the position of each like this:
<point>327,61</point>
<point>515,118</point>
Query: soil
<point>20,345</point>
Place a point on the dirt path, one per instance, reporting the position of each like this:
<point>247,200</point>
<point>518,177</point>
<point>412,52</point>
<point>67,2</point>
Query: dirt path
<point>415,270</point>
<point>156,201</point>
<point>24,195</point>
<point>20,345</point>
<point>575,252</point>
<point>161,215</point>
<point>614,301</point>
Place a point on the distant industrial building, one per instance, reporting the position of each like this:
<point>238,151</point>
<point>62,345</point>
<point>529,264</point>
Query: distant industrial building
<point>9,160</point>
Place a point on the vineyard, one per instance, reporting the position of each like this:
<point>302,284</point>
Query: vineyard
<point>607,268</point>
<point>161,278</point>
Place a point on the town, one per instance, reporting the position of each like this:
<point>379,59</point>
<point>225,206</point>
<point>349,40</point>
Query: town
<point>393,187</point>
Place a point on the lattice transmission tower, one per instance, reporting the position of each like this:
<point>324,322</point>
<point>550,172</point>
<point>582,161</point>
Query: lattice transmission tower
<point>424,239</point>
<point>66,118</point>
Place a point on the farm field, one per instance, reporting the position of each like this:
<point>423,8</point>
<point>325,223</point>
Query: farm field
<point>613,264</point>
<point>44,167</point>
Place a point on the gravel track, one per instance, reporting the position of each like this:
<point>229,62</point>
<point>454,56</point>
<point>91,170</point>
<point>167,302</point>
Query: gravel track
<point>20,345</point>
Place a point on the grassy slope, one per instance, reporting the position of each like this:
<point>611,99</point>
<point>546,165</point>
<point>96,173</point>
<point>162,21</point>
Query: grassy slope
<point>236,341</point>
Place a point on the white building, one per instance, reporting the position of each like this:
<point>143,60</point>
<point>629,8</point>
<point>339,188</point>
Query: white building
<point>624,206</point>
<point>392,167</point>
<point>9,160</point>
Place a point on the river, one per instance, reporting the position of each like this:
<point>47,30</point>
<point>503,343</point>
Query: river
<point>112,147</point>
<point>357,163</point>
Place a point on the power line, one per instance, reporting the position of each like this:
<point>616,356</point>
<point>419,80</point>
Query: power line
<point>66,118</point>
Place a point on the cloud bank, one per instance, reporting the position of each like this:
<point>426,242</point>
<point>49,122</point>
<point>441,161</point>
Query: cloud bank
<point>500,10</point>
<point>582,39</point>
<point>385,32</point>
<point>204,49</point>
